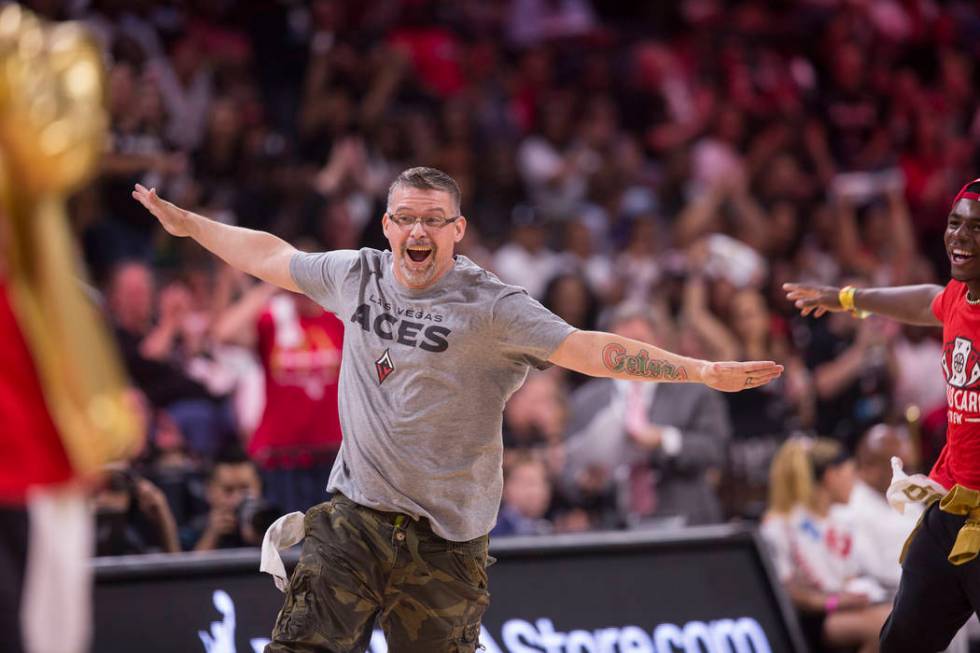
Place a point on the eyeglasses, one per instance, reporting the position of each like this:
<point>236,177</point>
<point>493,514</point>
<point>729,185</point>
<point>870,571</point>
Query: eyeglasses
<point>428,222</point>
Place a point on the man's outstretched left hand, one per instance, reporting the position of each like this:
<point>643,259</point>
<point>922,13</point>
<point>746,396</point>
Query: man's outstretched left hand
<point>735,376</point>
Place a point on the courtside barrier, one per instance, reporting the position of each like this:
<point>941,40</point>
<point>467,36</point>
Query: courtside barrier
<point>697,590</point>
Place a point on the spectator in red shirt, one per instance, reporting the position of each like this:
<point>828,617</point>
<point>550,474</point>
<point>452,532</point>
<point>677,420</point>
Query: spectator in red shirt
<point>299,345</point>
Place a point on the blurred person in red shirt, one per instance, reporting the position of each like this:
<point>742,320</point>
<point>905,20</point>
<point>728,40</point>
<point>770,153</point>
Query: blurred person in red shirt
<point>299,345</point>
<point>435,51</point>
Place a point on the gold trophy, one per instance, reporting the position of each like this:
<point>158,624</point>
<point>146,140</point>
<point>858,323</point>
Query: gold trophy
<point>52,133</point>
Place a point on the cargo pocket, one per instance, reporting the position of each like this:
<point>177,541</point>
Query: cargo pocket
<point>313,513</point>
<point>475,559</point>
<point>472,559</point>
<point>469,639</point>
<point>296,617</point>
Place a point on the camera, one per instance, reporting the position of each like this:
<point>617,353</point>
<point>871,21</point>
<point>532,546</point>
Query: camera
<point>255,514</point>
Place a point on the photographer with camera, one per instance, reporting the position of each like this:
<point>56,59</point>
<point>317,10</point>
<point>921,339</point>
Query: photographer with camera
<point>133,516</point>
<point>237,515</point>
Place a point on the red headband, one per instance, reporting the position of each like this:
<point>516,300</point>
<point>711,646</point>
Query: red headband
<point>963,195</point>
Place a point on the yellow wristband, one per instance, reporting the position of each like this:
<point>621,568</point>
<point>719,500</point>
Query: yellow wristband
<point>846,299</point>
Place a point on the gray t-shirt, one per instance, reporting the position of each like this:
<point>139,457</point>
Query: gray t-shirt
<point>423,382</point>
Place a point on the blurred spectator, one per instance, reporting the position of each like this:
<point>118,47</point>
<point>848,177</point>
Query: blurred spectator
<point>582,255</point>
<point>637,268</point>
<point>434,50</point>
<point>750,333</point>
<point>353,180</point>
<point>498,192</point>
<point>187,87</point>
<point>852,363</point>
<point>812,546</point>
<point>932,160</point>
<point>923,405</point>
<point>527,495</point>
<point>526,260</point>
<point>535,415</point>
<point>880,244</point>
<point>237,515</point>
<point>717,156</point>
<point>138,151</point>
<point>660,100</point>
<point>151,353</point>
<point>916,348</point>
<point>659,446</point>
<point>554,164</point>
<point>852,113</point>
<point>727,207</point>
<point>763,417</point>
<point>532,21</point>
<point>111,21</point>
<point>218,164</point>
<point>169,464</point>
<point>569,297</point>
<point>879,530</point>
<point>132,516</point>
<point>299,345</point>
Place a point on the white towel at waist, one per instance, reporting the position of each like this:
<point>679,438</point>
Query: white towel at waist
<point>284,533</point>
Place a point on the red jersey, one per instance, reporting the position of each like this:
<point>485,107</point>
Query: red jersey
<point>302,369</point>
<point>959,461</point>
<point>435,53</point>
<point>31,452</point>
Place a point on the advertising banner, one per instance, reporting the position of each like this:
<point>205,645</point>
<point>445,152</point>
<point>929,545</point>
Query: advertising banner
<point>704,590</point>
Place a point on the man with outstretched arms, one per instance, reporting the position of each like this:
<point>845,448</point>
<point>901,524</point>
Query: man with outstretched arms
<point>940,584</point>
<point>434,346</point>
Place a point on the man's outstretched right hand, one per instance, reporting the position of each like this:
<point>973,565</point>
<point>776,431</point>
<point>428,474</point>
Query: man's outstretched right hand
<point>174,219</point>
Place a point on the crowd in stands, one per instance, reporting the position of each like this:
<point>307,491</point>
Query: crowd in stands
<point>657,169</point>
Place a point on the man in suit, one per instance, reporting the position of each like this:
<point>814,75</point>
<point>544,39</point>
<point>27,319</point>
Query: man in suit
<point>654,445</point>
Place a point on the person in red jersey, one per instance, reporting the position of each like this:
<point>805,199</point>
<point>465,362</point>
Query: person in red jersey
<point>940,584</point>
<point>299,345</point>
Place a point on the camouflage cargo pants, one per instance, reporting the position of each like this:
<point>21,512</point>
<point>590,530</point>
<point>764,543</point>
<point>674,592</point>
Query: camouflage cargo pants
<point>360,564</point>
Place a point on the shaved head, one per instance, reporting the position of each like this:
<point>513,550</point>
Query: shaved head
<point>880,443</point>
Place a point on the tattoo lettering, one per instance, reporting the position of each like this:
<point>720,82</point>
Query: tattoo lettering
<point>616,359</point>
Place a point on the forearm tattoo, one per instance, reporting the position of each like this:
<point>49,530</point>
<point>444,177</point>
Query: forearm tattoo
<point>616,359</point>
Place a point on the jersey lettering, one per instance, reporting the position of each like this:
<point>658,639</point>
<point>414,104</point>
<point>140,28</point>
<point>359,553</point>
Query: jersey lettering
<point>405,332</point>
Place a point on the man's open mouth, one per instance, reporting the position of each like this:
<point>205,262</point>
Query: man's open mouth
<point>418,253</point>
<point>960,256</point>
